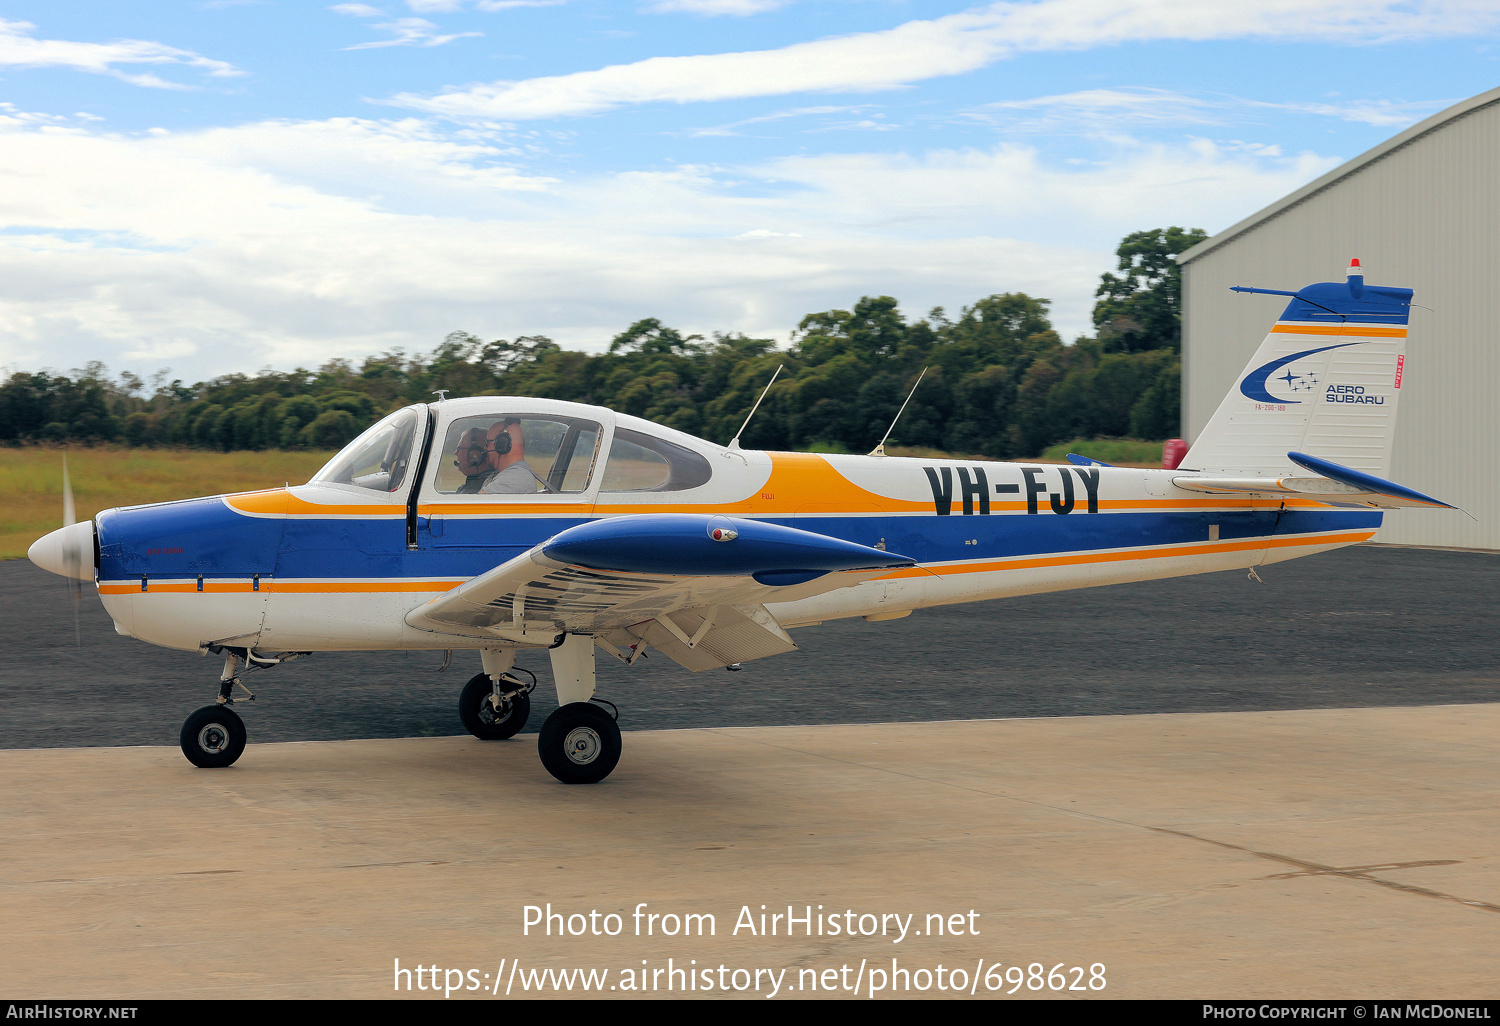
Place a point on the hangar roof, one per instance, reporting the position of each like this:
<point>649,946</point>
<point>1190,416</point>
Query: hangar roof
<point>1338,174</point>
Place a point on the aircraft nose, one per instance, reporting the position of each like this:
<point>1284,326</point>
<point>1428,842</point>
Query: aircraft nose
<point>67,552</point>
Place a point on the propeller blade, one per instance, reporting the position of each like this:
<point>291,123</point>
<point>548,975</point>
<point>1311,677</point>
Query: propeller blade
<point>70,517</point>
<point>72,554</point>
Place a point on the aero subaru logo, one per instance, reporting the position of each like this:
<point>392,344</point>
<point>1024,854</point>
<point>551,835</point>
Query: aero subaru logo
<point>1288,381</point>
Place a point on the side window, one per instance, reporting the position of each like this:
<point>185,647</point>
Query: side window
<point>643,463</point>
<point>521,454</point>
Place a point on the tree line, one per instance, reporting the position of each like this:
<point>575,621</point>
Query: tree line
<point>1000,381</point>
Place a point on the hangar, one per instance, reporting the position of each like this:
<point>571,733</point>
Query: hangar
<point>1421,210</point>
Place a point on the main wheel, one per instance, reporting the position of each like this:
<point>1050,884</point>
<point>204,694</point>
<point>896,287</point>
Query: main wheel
<point>579,744</point>
<point>213,736</point>
<point>480,717</point>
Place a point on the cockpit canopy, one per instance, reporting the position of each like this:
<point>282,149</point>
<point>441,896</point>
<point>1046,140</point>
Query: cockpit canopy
<point>515,449</point>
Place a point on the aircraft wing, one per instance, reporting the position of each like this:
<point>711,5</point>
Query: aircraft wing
<point>691,585</point>
<point>1340,486</point>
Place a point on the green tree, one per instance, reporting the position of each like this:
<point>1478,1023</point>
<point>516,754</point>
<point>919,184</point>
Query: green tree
<point>1141,308</point>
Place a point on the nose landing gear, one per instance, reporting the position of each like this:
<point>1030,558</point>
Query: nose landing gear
<point>214,736</point>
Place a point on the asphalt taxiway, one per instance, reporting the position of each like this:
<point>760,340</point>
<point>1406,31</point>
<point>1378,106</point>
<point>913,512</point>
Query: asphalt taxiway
<point>1364,626</point>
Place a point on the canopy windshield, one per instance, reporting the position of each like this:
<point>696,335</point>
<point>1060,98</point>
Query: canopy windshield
<point>380,458</point>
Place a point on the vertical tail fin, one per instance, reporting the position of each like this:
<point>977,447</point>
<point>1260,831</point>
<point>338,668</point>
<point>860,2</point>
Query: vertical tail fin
<point>1325,381</point>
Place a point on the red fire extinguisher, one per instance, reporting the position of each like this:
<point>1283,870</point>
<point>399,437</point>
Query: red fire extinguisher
<point>1172,453</point>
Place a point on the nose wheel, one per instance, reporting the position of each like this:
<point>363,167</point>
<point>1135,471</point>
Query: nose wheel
<point>579,743</point>
<point>213,736</point>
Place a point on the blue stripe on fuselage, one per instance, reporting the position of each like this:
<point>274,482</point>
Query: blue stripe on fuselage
<point>204,536</point>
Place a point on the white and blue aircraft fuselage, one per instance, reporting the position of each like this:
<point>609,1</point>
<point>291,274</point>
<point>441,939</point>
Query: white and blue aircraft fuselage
<point>504,523</point>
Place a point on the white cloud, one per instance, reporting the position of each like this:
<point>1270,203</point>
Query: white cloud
<point>358,10</point>
<point>715,8</point>
<point>449,6</point>
<point>411,32</point>
<point>781,115</point>
<point>19,48</point>
<point>953,45</point>
<point>1092,110</point>
<point>1380,113</point>
<point>1113,110</point>
<point>291,242</point>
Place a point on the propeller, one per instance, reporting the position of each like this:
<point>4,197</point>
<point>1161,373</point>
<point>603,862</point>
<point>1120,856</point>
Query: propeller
<point>72,554</point>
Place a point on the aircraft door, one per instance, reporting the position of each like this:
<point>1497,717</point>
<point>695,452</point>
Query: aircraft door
<point>498,482</point>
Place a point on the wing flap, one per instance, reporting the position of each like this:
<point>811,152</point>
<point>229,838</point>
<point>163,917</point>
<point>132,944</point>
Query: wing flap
<point>736,634</point>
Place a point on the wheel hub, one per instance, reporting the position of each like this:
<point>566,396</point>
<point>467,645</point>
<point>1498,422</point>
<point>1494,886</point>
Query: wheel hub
<point>583,745</point>
<point>488,713</point>
<point>213,738</point>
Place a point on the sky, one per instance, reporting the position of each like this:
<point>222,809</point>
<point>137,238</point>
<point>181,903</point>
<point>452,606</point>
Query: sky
<point>226,185</point>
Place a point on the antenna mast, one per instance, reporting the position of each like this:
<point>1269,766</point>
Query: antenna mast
<point>879,450</point>
<point>734,443</point>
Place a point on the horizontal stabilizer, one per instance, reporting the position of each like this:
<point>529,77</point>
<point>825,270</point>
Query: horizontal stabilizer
<point>1368,482</point>
<point>1340,486</point>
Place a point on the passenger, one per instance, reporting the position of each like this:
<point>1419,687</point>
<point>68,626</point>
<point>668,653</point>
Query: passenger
<point>508,449</point>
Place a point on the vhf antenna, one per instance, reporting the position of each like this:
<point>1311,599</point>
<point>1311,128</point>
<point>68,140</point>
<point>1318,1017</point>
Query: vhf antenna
<point>734,443</point>
<point>879,450</point>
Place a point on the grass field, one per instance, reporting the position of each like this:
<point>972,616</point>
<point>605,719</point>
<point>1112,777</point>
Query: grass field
<point>1121,452</point>
<point>31,482</point>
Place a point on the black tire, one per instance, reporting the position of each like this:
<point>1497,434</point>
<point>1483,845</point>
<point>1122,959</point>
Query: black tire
<point>212,737</point>
<point>479,716</point>
<point>579,744</point>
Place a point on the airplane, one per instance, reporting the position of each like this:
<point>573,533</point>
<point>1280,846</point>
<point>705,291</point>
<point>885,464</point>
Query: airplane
<point>502,524</point>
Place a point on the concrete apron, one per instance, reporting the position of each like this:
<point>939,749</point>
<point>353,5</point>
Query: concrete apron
<point>1321,854</point>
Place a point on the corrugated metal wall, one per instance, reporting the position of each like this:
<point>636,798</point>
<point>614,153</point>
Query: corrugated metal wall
<point>1425,216</point>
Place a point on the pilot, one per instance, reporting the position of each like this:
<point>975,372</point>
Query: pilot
<point>474,457</point>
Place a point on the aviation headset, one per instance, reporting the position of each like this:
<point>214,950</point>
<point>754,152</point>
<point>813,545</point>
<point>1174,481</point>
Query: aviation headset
<point>500,444</point>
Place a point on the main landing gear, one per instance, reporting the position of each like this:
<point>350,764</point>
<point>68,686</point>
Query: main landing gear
<point>495,709</point>
<point>579,743</point>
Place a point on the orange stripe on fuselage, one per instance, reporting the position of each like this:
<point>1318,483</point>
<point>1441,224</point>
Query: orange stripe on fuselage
<point>1025,563</point>
<point>284,587</point>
